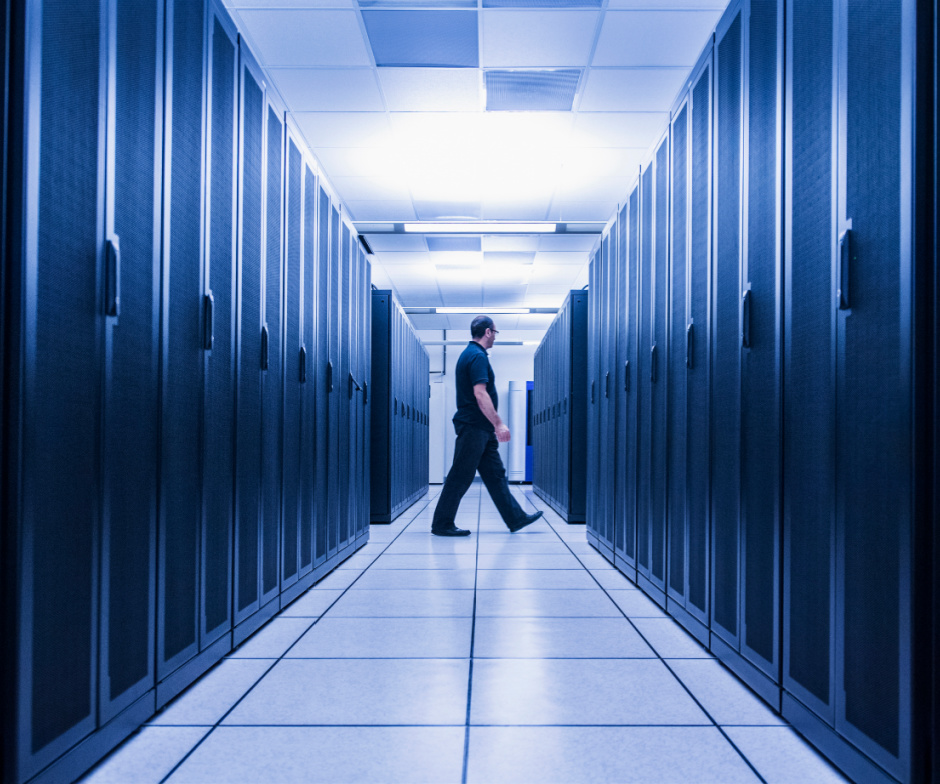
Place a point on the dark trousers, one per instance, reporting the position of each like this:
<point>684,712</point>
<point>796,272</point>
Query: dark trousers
<point>475,450</point>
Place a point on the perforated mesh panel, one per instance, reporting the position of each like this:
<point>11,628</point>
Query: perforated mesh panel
<point>760,398</point>
<point>517,91</point>
<point>323,423</point>
<point>343,397</point>
<point>677,345</point>
<point>308,441</point>
<point>220,372</point>
<point>658,391</point>
<point>644,366</point>
<point>60,501</point>
<point>630,481</point>
<point>249,352</point>
<point>272,382</point>
<point>726,381</point>
<point>292,389</point>
<point>180,478</point>
<point>808,502</point>
<point>334,411</point>
<point>621,312</point>
<point>699,282</point>
<point>874,413</point>
<point>131,429</point>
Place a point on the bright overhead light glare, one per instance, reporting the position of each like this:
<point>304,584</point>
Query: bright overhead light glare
<point>482,309</point>
<point>481,228</point>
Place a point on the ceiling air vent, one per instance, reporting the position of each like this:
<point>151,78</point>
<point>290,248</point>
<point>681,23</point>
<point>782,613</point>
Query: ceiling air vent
<point>541,3</point>
<point>455,243</point>
<point>443,39</point>
<point>418,4</point>
<point>531,91</point>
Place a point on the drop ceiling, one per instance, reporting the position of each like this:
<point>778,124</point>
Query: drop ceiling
<point>392,97</point>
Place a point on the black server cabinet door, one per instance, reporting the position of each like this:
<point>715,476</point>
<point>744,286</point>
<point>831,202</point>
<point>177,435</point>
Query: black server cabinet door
<point>874,388</point>
<point>628,542</point>
<point>130,457</point>
<point>334,384</point>
<point>379,463</point>
<point>184,335</point>
<point>678,357</point>
<point>343,397</point>
<point>809,334</point>
<point>697,391</point>
<point>219,444</point>
<point>726,335</point>
<point>60,332</point>
<point>575,347</point>
<point>659,367</point>
<point>618,380</point>
<point>761,342</point>
<point>603,390</point>
<point>272,395</point>
<point>593,408</point>
<point>308,456</point>
<point>295,364</point>
<point>610,386</point>
<point>251,183</point>
<point>645,375</point>
<point>322,434</point>
<point>352,384</point>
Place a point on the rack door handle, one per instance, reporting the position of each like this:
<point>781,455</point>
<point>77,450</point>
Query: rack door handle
<point>746,320</point>
<point>626,376</point>
<point>396,407</point>
<point>846,259</point>
<point>592,392</point>
<point>329,377</point>
<point>303,365</point>
<point>208,305</point>
<point>653,364</point>
<point>264,346</point>
<point>113,275</point>
<point>607,385</point>
<point>365,393</point>
<point>689,331</point>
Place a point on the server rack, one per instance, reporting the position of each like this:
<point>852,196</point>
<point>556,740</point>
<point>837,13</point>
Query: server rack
<point>154,328</point>
<point>560,411</point>
<point>399,440</point>
<point>799,362</point>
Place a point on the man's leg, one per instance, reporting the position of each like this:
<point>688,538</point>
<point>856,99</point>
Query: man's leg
<point>494,477</point>
<point>471,441</point>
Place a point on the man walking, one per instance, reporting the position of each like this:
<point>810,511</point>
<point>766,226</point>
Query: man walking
<point>479,428</point>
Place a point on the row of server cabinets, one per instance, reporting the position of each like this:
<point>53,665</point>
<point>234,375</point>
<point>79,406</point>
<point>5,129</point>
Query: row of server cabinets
<point>400,408</point>
<point>762,332</point>
<point>559,411</point>
<point>187,346</point>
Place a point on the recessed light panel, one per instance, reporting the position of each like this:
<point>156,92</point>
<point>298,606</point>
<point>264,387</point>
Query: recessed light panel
<point>529,91</point>
<point>423,38</point>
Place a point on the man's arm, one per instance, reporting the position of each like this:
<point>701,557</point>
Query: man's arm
<point>485,402</point>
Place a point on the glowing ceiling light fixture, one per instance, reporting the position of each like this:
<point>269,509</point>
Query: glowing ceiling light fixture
<point>482,309</point>
<point>483,227</point>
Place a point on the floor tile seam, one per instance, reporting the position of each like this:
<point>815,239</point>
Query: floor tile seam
<point>662,659</point>
<point>476,725</point>
<point>473,626</point>
<point>281,657</point>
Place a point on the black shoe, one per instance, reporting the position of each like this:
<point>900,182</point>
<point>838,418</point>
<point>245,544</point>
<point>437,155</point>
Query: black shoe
<point>527,520</point>
<point>452,531</point>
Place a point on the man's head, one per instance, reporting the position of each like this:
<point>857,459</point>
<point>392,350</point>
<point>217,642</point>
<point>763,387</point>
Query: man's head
<point>483,331</point>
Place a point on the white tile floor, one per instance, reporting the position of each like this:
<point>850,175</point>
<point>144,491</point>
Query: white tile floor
<point>492,658</point>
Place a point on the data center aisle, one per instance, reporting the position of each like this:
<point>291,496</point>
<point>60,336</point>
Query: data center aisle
<point>492,658</point>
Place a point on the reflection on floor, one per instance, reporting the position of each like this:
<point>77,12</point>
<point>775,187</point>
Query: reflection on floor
<point>491,658</point>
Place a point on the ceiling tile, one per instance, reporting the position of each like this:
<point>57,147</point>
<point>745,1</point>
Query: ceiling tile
<point>411,275</point>
<point>344,129</point>
<point>557,276</point>
<point>359,162</point>
<point>296,37</point>
<point>632,89</point>
<point>390,258</point>
<point>574,257</point>
<point>508,257</point>
<point>618,129</point>
<point>428,322</point>
<point>587,164</point>
<point>612,189</point>
<point>423,38</point>
<point>370,189</point>
<point>470,243</point>
<point>653,37</point>
<point>379,277</point>
<point>397,242</point>
<point>447,210</point>
<point>381,210</point>
<point>517,90</point>
<point>432,89</point>
<point>583,210</point>
<point>668,5</point>
<point>457,258</point>
<point>498,242</point>
<point>328,89</point>
<point>567,242</point>
<point>420,296</point>
<point>515,210</point>
<point>555,291</point>
<point>534,39</point>
<point>289,3</point>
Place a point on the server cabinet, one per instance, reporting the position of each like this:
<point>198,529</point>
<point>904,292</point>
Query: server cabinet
<point>323,380</point>
<point>593,412</point>
<point>308,456</point>
<point>333,384</point>
<point>561,409</point>
<point>619,383</point>
<point>398,450</point>
<point>646,355</point>
<point>343,398</point>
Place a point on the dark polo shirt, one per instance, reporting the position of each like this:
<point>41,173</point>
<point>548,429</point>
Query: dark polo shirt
<point>473,367</point>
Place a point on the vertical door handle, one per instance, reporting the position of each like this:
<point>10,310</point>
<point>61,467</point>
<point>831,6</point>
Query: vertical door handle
<point>396,406</point>
<point>365,393</point>
<point>592,391</point>
<point>329,376</point>
<point>626,376</point>
<point>689,331</point>
<point>846,258</point>
<point>264,347</point>
<point>653,364</point>
<point>303,365</point>
<point>208,303</point>
<point>607,385</point>
<point>746,320</point>
<point>113,275</point>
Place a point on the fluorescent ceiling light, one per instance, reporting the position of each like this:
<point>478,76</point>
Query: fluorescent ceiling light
<point>482,309</point>
<point>481,228</point>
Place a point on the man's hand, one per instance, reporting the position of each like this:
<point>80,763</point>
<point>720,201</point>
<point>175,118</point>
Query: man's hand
<point>502,433</point>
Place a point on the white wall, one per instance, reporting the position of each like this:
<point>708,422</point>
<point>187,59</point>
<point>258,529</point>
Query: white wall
<point>510,363</point>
